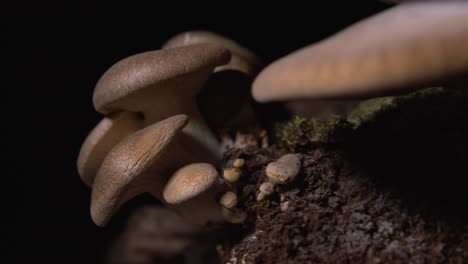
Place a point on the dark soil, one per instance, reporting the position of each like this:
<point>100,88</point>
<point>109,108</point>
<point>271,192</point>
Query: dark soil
<point>393,191</point>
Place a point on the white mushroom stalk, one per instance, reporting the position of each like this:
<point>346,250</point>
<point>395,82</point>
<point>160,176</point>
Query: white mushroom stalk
<point>410,46</point>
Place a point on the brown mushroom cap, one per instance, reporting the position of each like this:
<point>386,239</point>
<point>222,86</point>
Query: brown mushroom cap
<point>189,181</point>
<point>242,59</point>
<point>133,83</point>
<point>101,140</point>
<point>283,170</point>
<point>124,171</point>
<point>409,46</point>
<point>229,87</point>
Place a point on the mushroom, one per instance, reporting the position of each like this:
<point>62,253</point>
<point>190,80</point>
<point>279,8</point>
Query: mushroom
<point>228,88</point>
<point>156,85</point>
<point>192,190</point>
<point>231,175</point>
<point>228,200</point>
<point>266,189</point>
<point>410,46</point>
<point>238,163</point>
<point>283,170</point>
<point>142,162</point>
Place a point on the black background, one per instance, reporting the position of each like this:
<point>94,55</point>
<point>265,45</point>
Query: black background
<point>57,54</point>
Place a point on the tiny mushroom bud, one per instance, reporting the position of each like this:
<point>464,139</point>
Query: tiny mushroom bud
<point>234,216</point>
<point>231,174</point>
<point>228,200</point>
<point>191,190</point>
<point>284,170</point>
<point>414,45</point>
<point>238,163</point>
<point>267,188</point>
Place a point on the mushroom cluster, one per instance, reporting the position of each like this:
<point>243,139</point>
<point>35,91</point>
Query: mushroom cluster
<point>161,108</point>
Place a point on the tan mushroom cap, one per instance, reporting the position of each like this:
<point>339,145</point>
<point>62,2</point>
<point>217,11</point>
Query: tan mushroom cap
<point>242,59</point>
<point>189,181</point>
<point>124,171</point>
<point>283,170</point>
<point>409,46</point>
<point>134,83</point>
<point>101,140</point>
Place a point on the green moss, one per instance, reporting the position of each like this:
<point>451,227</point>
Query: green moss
<point>299,133</point>
<point>369,110</point>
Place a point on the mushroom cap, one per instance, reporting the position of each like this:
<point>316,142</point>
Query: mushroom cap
<point>122,173</point>
<point>267,188</point>
<point>189,181</point>
<point>284,170</point>
<point>101,140</point>
<point>409,46</point>
<point>242,59</point>
<point>129,80</point>
<point>231,174</point>
<point>228,200</point>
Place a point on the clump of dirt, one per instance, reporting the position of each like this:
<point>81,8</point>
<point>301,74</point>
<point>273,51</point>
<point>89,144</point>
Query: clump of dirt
<point>391,188</point>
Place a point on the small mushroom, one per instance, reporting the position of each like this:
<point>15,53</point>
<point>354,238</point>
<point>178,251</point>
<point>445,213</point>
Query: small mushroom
<point>266,189</point>
<point>413,45</point>
<point>284,170</point>
<point>231,175</point>
<point>228,200</point>
<point>192,189</point>
<point>238,163</point>
<point>139,163</point>
<point>228,88</point>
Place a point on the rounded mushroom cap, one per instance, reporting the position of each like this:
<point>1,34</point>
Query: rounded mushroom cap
<point>189,181</point>
<point>137,73</point>
<point>101,140</point>
<point>267,188</point>
<point>122,172</point>
<point>231,174</point>
<point>410,46</point>
<point>248,61</point>
<point>238,163</point>
<point>285,169</point>
<point>228,200</point>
